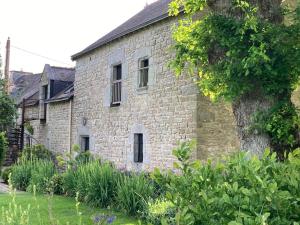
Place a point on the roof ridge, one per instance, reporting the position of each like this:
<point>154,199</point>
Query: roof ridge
<point>60,67</point>
<point>149,15</point>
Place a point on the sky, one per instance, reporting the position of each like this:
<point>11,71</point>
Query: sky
<point>57,29</point>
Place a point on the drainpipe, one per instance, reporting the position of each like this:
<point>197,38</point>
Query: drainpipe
<point>70,125</point>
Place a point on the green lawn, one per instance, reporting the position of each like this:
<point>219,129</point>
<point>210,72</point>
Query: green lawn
<point>63,209</point>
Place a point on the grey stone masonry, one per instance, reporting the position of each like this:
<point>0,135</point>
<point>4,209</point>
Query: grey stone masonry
<point>169,110</point>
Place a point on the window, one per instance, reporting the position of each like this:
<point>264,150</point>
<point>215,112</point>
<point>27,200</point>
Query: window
<point>116,85</point>
<point>143,72</point>
<point>43,106</point>
<point>85,143</point>
<point>138,148</point>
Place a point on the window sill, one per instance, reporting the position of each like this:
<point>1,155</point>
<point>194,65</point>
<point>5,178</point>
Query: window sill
<point>142,90</point>
<point>112,105</point>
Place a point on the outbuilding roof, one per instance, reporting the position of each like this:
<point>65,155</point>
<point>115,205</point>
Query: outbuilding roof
<point>24,85</point>
<point>152,13</point>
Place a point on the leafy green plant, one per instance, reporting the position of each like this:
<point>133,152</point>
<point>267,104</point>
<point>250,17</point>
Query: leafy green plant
<point>29,128</point>
<point>133,193</point>
<point>21,173</point>
<point>95,183</point>
<point>5,174</point>
<point>240,190</point>
<point>8,109</point>
<point>37,152</point>
<point>102,186</point>
<point>70,181</point>
<point>244,52</point>
<point>41,174</point>
<point>55,184</point>
<point>84,157</point>
<point>159,210</point>
<point>3,148</point>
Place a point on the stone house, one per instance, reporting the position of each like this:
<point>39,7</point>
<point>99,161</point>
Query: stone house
<point>124,103</point>
<point>48,98</point>
<point>131,109</point>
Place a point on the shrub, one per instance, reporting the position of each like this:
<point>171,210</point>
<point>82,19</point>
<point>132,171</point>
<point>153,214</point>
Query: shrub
<point>70,182</point>
<point>55,184</point>
<point>21,174</point>
<point>41,174</point>
<point>3,148</point>
<point>133,193</point>
<point>242,190</point>
<point>5,174</point>
<point>84,157</point>
<point>160,210</point>
<point>37,152</point>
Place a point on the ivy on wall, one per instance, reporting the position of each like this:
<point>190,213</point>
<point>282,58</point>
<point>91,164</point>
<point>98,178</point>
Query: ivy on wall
<point>239,52</point>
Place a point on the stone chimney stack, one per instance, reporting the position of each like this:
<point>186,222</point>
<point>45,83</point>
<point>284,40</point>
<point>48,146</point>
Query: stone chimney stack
<point>6,69</point>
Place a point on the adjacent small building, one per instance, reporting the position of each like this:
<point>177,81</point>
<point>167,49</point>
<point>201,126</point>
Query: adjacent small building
<point>47,98</point>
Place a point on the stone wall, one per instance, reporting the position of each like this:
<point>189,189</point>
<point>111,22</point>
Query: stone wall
<point>54,133</point>
<point>169,111</point>
<point>31,112</point>
<point>58,127</point>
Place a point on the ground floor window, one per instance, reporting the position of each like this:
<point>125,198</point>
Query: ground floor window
<point>138,148</point>
<point>85,143</point>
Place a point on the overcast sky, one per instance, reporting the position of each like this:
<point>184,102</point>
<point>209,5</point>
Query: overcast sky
<point>57,29</point>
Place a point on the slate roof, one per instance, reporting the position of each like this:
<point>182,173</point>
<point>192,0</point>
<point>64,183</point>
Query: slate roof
<point>64,95</point>
<point>152,13</point>
<point>59,73</point>
<point>27,85</point>
<point>24,85</point>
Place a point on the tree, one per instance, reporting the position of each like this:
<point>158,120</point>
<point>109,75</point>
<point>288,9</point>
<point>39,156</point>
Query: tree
<point>7,106</point>
<point>246,52</point>
<point>3,148</point>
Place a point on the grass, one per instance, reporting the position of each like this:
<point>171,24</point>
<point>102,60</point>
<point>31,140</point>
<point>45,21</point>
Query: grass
<point>63,210</point>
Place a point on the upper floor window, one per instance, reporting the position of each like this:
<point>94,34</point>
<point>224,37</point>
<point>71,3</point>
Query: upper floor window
<point>143,72</point>
<point>116,85</point>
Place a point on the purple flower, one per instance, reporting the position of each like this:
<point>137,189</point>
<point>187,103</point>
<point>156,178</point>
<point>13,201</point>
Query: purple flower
<point>111,219</point>
<point>96,219</point>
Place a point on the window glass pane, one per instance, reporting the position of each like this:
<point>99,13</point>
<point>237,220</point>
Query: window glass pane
<point>138,148</point>
<point>143,77</point>
<point>85,143</point>
<point>144,63</point>
<point>117,72</point>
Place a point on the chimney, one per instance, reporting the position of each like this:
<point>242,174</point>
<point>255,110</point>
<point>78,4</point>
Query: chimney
<point>6,69</point>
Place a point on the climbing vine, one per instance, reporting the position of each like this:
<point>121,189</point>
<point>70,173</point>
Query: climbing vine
<point>240,51</point>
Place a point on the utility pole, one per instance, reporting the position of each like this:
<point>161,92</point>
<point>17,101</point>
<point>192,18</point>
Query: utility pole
<point>6,69</point>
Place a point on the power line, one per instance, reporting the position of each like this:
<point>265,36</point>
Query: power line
<point>39,55</point>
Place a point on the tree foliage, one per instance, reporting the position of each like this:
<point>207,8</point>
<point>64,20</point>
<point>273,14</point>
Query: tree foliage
<point>240,51</point>
<point>3,148</point>
<point>240,190</point>
<point>7,106</point>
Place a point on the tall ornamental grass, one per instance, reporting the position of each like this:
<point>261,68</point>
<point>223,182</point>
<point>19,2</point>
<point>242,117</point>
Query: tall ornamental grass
<point>21,173</point>
<point>41,175</point>
<point>133,193</point>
